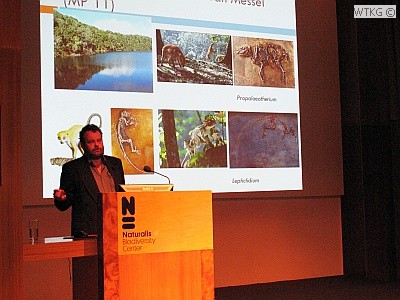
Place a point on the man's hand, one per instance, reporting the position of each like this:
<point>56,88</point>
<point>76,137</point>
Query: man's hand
<point>59,195</point>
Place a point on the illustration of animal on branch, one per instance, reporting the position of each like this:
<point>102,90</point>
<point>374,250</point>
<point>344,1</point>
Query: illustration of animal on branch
<point>210,52</point>
<point>206,135</point>
<point>70,136</point>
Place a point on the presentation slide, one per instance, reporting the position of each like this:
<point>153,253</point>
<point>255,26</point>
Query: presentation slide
<point>203,92</point>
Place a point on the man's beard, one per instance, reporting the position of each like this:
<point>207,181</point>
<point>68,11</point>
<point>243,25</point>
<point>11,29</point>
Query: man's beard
<point>92,155</point>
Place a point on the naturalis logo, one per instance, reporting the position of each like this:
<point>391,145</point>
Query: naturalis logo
<point>128,220</point>
<point>132,241</point>
<point>128,212</point>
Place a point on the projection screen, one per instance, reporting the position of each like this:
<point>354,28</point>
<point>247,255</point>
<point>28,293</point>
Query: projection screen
<point>203,92</point>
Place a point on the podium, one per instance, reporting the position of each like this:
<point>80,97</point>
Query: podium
<point>156,245</point>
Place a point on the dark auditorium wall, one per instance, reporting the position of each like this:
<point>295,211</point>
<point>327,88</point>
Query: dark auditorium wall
<point>369,52</point>
<point>10,153</point>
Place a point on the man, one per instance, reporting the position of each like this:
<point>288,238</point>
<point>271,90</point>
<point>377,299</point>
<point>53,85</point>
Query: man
<point>83,179</point>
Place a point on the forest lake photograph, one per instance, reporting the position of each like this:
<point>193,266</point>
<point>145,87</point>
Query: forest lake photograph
<point>102,51</point>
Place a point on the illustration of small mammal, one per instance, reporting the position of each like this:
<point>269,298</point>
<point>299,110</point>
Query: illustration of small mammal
<point>70,137</point>
<point>210,51</point>
<point>173,54</point>
<point>204,134</point>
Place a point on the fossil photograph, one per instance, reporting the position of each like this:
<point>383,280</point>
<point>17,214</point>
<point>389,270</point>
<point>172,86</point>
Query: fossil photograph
<point>192,57</point>
<point>263,140</point>
<point>263,62</point>
<point>132,138</point>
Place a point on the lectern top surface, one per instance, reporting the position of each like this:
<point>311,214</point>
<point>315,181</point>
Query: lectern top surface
<point>147,187</point>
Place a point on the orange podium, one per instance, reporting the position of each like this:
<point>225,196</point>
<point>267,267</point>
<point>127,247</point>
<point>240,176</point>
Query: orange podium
<point>156,245</point>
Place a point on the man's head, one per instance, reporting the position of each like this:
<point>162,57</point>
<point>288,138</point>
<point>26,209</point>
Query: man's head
<point>91,139</point>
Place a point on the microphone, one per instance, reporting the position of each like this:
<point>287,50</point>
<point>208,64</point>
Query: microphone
<point>149,170</point>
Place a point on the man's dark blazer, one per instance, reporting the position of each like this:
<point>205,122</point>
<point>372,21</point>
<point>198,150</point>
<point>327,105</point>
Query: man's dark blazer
<point>82,192</point>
